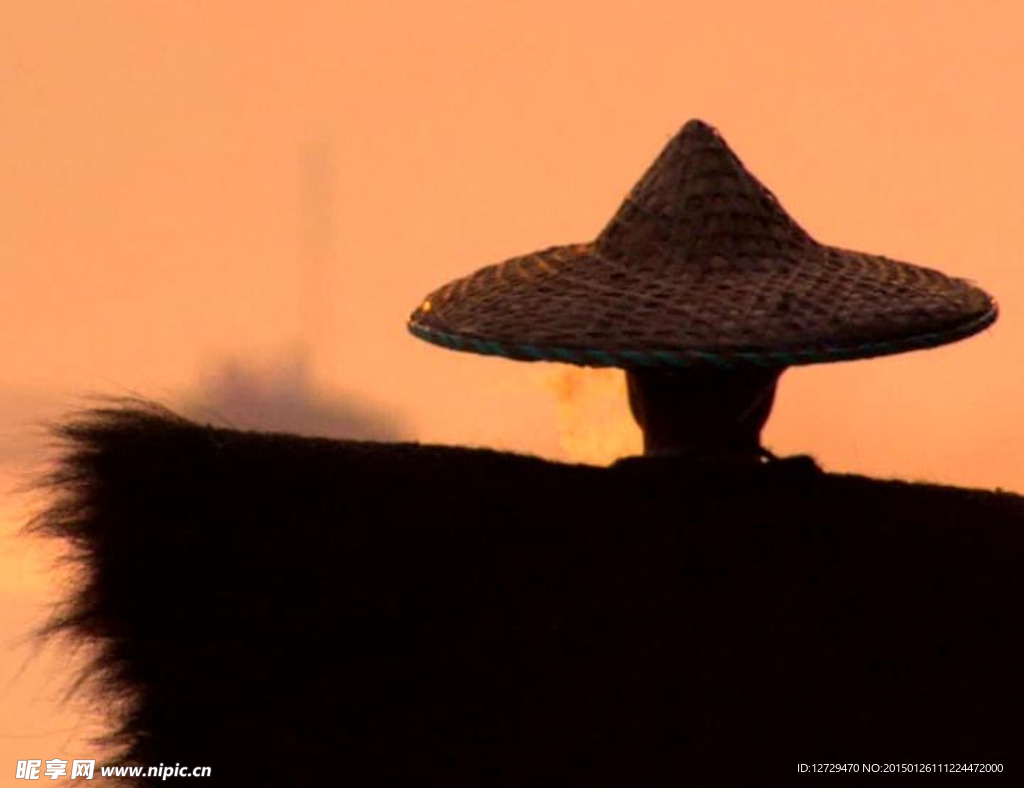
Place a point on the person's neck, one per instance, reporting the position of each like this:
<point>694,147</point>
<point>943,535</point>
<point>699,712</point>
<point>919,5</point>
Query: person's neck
<point>746,452</point>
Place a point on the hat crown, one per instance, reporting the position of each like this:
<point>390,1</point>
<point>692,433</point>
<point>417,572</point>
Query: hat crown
<point>697,201</point>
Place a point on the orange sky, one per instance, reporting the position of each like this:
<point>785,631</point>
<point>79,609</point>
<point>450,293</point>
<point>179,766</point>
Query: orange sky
<point>183,182</point>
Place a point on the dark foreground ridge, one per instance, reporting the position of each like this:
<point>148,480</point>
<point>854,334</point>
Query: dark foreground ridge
<point>305,612</point>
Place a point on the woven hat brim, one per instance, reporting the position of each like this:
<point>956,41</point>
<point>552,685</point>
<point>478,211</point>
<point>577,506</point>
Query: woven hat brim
<point>574,305</point>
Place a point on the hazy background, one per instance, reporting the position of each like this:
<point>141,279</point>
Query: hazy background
<point>231,207</point>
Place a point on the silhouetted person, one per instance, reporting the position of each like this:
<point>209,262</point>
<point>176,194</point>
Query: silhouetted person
<point>298,611</point>
<point>703,289</point>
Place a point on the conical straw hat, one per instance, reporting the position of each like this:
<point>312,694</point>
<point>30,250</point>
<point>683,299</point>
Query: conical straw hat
<point>700,265</point>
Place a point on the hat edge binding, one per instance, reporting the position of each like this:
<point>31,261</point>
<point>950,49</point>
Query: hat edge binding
<point>725,359</point>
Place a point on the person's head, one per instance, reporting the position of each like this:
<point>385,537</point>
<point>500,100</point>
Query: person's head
<point>697,411</point>
<point>700,264</point>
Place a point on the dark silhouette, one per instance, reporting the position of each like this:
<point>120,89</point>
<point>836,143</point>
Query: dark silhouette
<point>709,413</point>
<point>298,611</point>
<point>301,611</point>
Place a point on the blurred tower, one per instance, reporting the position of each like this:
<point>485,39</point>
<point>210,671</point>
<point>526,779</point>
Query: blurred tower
<point>317,200</point>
